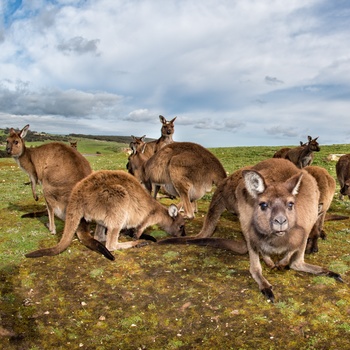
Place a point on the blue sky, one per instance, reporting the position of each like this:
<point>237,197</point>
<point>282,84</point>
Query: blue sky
<point>234,72</point>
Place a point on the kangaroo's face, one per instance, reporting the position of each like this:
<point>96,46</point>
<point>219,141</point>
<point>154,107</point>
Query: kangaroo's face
<point>314,145</point>
<point>167,127</point>
<point>177,226</point>
<point>273,209</point>
<point>14,144</point>
<point>274,212</point>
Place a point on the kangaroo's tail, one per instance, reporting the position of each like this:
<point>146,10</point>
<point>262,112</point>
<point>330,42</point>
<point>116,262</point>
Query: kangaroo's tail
<point>332,217</point>
<point>71,225</point>
<point>93,244</point>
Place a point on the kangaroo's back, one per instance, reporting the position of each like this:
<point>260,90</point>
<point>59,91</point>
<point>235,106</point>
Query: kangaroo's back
<point>185,157</point>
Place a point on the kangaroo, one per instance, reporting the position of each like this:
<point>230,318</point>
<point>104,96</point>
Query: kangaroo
<point>185,169</point>
<point>326,185</point>
<point>56,166</point>
<point>115,200</point>
<point>151,147</point>
<point>343,175</point>
<point>74,144</point>
<point>302,156</point>
<point>277,206</point>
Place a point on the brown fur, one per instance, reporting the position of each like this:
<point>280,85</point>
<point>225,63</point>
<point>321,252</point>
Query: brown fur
<point>115,200</point>
<point>277,205</point>
<point>302,156</point>
<point>186,170</point>
<point>56,166</point>
<point>343,175</point>
<point>281,153</point>
<point>326,185</point>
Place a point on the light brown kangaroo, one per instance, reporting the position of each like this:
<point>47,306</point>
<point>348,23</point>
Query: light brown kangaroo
<point>277,205</point>
<point>115,200</point>
<point>185,169</point>
<point>326,185</point>
<point>56,166</point>
<point>147,149</point>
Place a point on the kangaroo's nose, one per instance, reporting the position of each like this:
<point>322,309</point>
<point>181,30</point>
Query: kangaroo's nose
<point>280,223</point>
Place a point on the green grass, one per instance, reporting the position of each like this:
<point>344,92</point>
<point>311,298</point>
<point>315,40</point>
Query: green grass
<point>163,297</point>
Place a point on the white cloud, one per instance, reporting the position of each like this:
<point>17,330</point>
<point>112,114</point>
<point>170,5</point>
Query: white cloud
<point>260,70</point>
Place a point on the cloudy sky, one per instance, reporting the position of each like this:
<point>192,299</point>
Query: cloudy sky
<point>234,72</point>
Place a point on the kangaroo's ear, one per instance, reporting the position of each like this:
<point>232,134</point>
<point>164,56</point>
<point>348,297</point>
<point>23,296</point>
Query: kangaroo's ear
<point>254,182</point>
<point>24,131</point>
<point>162,119</point>
<point>293,184</point>
<point>173,211</point>
<point>172,120</point>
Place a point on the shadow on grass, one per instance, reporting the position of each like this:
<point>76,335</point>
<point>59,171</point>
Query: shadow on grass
<point>17,328</point>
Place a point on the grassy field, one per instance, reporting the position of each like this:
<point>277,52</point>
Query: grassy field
<point>163,297</point>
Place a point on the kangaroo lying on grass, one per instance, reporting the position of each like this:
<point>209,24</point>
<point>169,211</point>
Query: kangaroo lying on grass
<point>277,205</point>
<point>185,169</point>
<point>56,166</point>
<point>116,200</point>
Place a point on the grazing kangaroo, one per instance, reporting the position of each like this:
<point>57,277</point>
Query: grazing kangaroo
<point>343,175</point>
<point>115,200</point>
<point>277,205</point>
<point>185,169</point>
<point>326,185</point>
<point>56,166</point>
<point>302,156</point>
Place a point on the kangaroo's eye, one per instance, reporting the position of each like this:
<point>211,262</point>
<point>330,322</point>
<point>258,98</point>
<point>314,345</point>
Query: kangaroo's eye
<point>263,206</point>
<point>16,142</point>
<point>290,205</point>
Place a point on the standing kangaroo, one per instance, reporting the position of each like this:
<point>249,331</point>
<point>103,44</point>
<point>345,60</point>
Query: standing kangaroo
<point>343,175</point>
<point>185,169</point>
<point>151,147</point>
<point>302,156</point>
<point>277,206</point>
<point>56,166</point>
<point>326,185</point>
<point>115,200</point>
